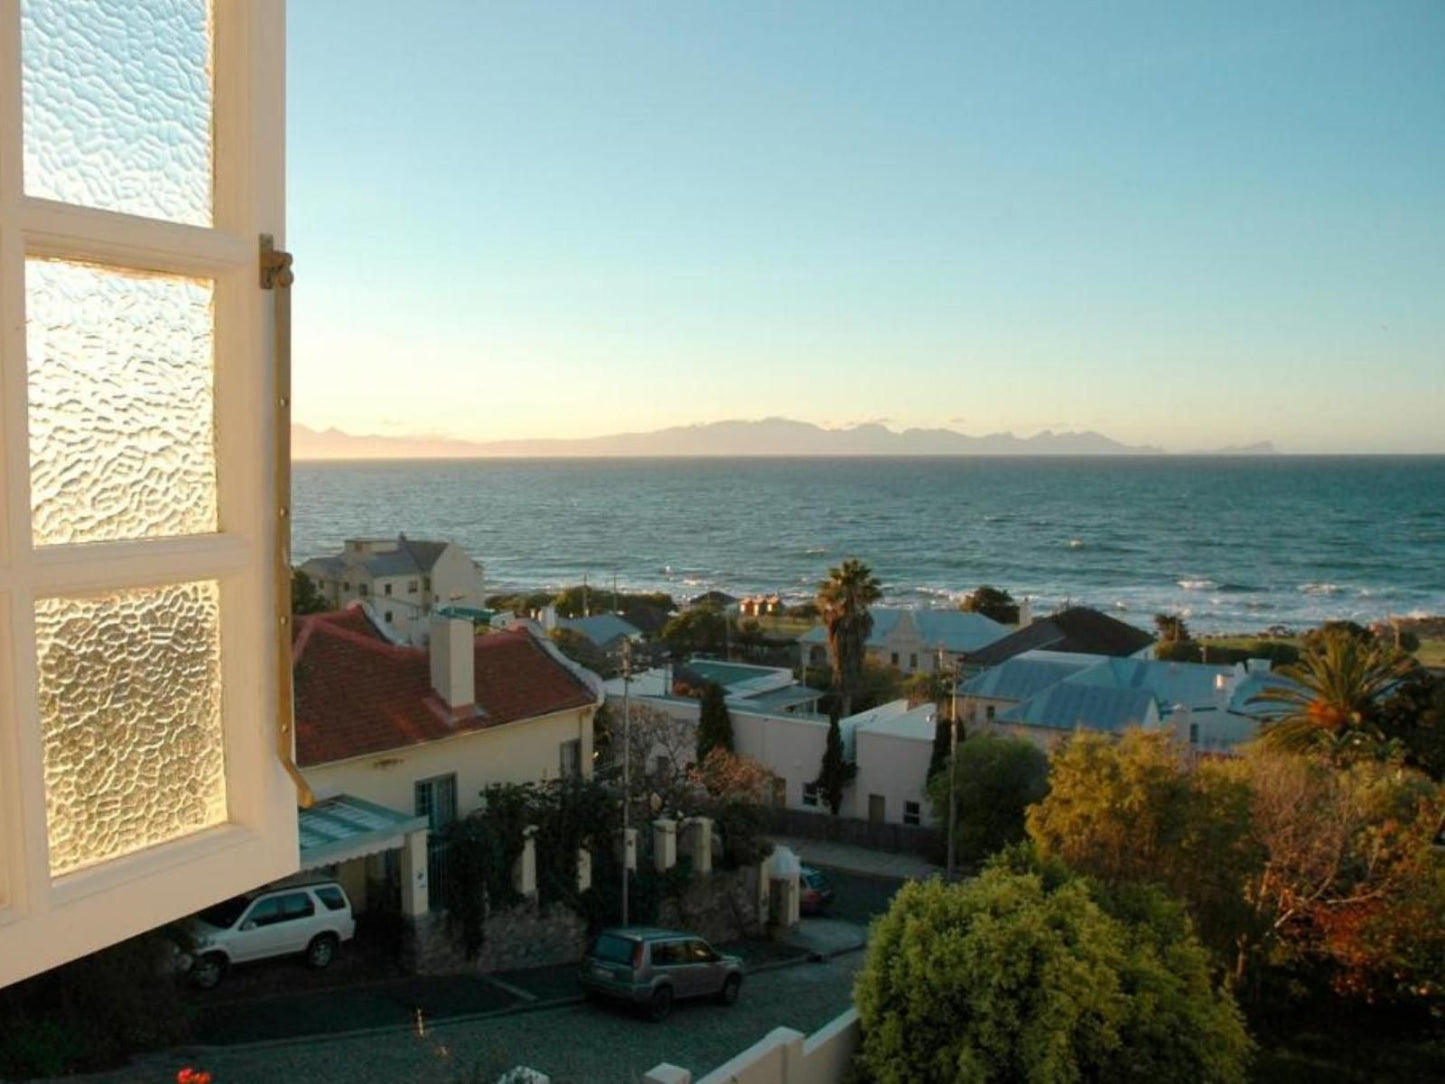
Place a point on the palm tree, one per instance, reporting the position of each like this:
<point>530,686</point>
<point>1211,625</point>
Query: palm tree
<point>843,601</point>
<point>1331,703</point>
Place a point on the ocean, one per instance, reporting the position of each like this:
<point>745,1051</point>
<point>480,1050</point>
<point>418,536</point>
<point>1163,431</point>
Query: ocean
<point>1234,544</point>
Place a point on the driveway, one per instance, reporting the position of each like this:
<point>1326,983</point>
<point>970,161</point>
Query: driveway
<point>574,1043</point>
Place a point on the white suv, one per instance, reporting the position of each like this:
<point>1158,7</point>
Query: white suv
<point>311,918</point>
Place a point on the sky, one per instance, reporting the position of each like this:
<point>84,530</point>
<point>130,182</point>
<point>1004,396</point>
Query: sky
<point>1184,224</point>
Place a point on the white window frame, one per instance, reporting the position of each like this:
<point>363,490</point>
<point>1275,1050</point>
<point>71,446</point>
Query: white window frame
<point>46,921</point>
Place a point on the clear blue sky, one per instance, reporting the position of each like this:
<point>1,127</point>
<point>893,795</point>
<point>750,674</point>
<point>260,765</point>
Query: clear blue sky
<point>1182,224</point>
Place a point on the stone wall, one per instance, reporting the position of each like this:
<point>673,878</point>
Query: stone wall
<point>720,906</point>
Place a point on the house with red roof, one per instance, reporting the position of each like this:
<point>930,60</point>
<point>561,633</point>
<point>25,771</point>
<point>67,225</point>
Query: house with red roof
<point>418,732</point>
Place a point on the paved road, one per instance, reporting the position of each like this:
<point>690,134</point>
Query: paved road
<point>573,1044</point>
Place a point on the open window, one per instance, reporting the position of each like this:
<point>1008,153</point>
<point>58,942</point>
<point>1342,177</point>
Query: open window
<point>141,692</point>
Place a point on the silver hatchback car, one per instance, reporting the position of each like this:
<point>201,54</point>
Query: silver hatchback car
<point>652,968</point>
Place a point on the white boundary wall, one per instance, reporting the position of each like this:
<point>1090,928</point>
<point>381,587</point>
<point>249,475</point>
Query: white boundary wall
<point>783,1056</point>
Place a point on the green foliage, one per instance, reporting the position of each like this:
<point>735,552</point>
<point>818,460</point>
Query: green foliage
<point>306,597</point>
<point>836,771</point>
<point>992,602</point>
<point>524,603</point>
<point>698,629</point>
<point>1178,651</point>
<point>482,848</point>
<point>583,651</point>
<point>808,611</point>
<point>1171,627</point>
<point>925,687</point>
<point>1218,654</point>
<point>1412,717</point>
<point>996,778</point>
<point>1132,811</point>
<point>942,744</point>
<point>714,724</point>
<point>92,1013</point>
<point>1333,703</point>
<point>844,599</point>
<point>1011,977</point>
<point>579,601</point>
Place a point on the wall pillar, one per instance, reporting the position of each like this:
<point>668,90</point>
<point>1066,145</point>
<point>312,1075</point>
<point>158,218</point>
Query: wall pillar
<point>664,844</point>
<point>786,899</point>
<point>696,843</point>
<point>415,898</point>
<point>524,870</point>
<point>627,849</point>
<point>584,869</point>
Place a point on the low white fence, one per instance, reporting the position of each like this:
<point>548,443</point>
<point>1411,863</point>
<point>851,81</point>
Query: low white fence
<point>783,1056</point>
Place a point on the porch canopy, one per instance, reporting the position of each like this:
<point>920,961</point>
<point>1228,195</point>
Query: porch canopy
<point>342,828</point>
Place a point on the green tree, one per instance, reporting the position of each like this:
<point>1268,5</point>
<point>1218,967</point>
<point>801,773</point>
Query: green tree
<point>699,628</point>
<point>582,651</point>
<point>1018,975</point>
<point>836,770</point>
<point>1333,701</point>
<point>1412,716</point>
<point>844,599</point>
<point>306,597</point>
<point>1135,811</point>
<point>714,724</point>
<point>992,602</point>
<point>942,744</point>
<point>995,779</point>
<point>1171,627</point>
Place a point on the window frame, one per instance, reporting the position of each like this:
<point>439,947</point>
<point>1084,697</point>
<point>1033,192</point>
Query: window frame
<point>46,920</point>
<point>914,810</point>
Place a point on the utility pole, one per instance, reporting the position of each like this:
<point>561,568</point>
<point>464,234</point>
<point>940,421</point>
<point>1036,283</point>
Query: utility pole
<point>952,759</point>
<point>586,609</point>
<point>626,764</point>
<point>614,591</point>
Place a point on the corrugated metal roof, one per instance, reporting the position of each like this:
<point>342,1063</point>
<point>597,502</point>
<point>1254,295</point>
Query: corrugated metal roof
<point>1171,683</point>
<point>1023,677</point>
<point>601,629</point>
<point>1068,706</point>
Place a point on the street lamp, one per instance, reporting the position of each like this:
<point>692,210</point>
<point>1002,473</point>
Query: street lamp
<point>626,763</point>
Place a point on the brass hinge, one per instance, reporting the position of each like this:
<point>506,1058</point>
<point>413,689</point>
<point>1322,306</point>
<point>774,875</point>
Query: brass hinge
<point>276,275</point>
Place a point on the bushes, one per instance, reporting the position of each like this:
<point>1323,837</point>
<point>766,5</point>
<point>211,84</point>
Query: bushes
<point>1024,974</point>
<point>996,778</point>
<point>92,1013</point>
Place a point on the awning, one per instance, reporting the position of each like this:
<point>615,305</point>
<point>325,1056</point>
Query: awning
<point>341,828</point>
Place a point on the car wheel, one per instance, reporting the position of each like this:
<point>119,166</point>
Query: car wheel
<point>730,989</point>
<point>660,1005</point>
<point>207,971</point>
<point>321,951</point>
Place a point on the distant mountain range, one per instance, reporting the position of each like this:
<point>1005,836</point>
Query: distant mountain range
<point>768,437</point>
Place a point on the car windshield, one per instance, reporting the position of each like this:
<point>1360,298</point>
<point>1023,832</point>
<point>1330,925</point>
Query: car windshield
<point>224,914</point>
<point>612,949</point>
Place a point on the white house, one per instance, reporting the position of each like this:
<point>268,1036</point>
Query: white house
<point>912,639</point>
<point>1043,695</point>
<point>401,733</point>
<point>404,579</point>
<point>892,746</point>
<point>774,718</point>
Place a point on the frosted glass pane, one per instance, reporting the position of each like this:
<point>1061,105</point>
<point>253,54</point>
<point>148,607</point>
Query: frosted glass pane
<point>130,709</point>
<point>122,403</point>
<point>117,105</point>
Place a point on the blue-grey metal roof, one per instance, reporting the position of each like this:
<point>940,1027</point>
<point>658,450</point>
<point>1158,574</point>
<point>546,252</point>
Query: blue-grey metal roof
<point>1022,677</point>
<point>341,828</point>
<point>778,699</point>
<point>1068,706</point>
<point>601,629</point>
<point>953,630</point>
<point>1172,683</point>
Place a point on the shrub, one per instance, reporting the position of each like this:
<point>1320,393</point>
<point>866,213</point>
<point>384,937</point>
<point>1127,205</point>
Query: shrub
<point>996,778</point>
<point>992,602</point>
<point>1021,976</point>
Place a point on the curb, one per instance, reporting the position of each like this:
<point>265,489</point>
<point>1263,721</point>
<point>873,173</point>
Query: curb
<point>539,1005</point>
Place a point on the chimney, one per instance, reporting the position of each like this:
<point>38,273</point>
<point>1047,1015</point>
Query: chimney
<point>1026,613</point>
<point>453,666</point>
<point>549,617</point>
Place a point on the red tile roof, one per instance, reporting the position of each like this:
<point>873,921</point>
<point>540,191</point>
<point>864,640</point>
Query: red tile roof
<point>358,694</point>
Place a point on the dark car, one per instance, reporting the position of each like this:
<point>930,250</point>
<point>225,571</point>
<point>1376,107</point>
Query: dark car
<point>815,892</point>
<point>652,968</point>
